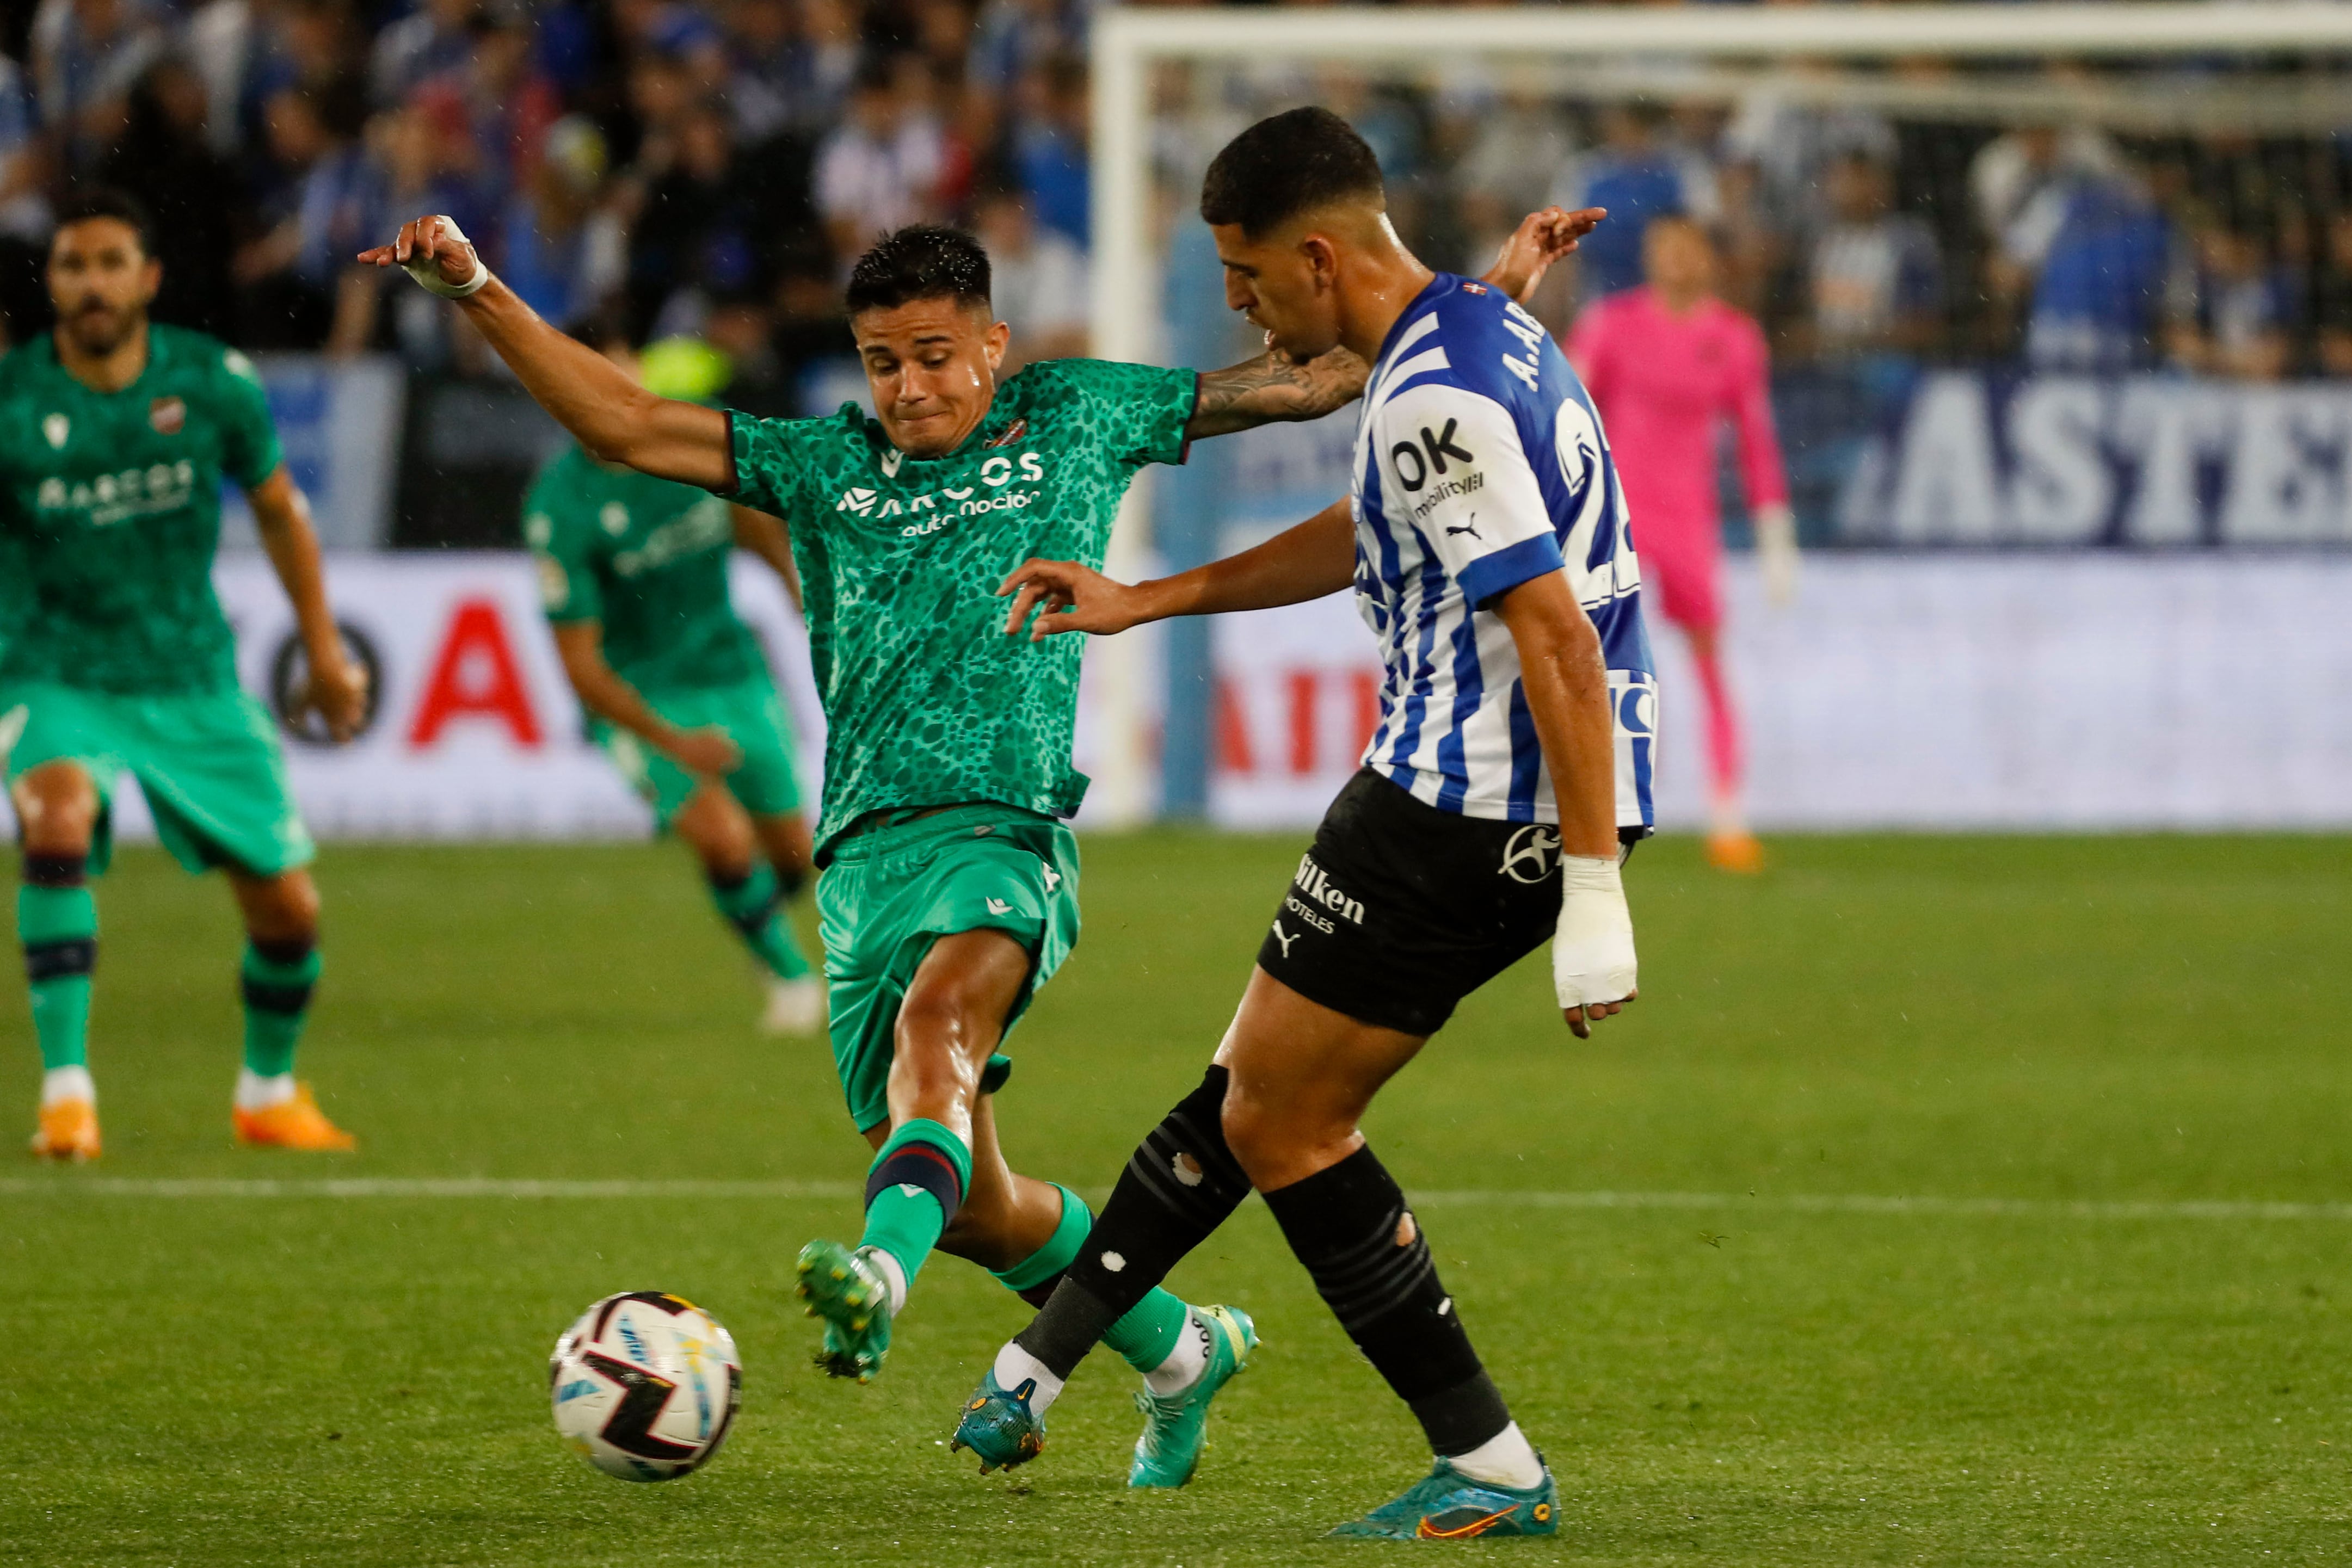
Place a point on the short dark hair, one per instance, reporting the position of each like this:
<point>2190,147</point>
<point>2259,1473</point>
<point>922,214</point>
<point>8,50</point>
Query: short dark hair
<point>84,203</point>
<point>1287,165</point>
<point>921,261</point>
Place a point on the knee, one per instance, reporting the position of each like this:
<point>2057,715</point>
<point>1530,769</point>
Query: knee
<point>945,1017</point>
<point>57,808</point>
<point>1254,1136</point>
<point>720,836</point>
<point>1276,1145</point>
<point>286,914</point>
<point>933,1061</point>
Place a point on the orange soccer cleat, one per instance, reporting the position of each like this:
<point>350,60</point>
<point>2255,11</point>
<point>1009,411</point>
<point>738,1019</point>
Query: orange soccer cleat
<point>68,1131</point>
<point>1737,852</point>
<point>296,1124</point>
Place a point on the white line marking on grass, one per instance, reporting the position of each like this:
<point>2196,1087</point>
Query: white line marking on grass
<point>1865,1203</point>
<point>415,1186</point>
<point>66,1184</point>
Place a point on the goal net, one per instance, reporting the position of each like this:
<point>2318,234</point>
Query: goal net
<point>2047,276</point>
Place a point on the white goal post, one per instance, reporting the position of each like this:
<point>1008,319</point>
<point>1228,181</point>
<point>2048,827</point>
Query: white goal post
<point>1128,41</point>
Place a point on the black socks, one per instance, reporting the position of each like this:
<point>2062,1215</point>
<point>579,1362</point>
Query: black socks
<point>1349,1224</point>
<point>1181,1184</point>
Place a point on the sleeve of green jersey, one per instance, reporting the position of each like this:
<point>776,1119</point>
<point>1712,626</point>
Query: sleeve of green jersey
<point>768,461</point>
<point>568,589</point>
<point>249,449</point>
<point>1143,409</point>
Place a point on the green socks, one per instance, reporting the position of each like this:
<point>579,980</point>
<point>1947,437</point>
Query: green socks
<point>58,929</point>
<point>913,1189</point>
<point>755,907</point>
<point>277,980</point>
<point>1146,1335</point>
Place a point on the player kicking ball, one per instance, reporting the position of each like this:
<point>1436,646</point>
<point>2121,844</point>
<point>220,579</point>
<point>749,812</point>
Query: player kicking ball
<point>633,577</point>
<point>948,891</point>
<point>115,434</point>
<point>1508,772</point>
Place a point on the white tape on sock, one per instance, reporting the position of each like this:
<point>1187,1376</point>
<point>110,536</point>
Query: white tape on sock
<point>1015,1366</point>
<point>254,1092</point>
<point>1186,1362</point>
<point>1505,1460</point>
<point>68,1083</point>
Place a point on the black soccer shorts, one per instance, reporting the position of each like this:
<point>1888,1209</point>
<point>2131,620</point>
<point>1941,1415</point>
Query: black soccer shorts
<point>1401,910</point>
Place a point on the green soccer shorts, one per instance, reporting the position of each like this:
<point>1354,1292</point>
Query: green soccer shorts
<point>890,890</point>
<point>752,715</point>
<point>208,763</point>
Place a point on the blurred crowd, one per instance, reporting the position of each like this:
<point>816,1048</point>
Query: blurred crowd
<point>658,167</point>
<point>709,168</point>
<point>1868,239</point>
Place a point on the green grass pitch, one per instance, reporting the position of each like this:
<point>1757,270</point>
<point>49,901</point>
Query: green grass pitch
<point>1749,1378</point>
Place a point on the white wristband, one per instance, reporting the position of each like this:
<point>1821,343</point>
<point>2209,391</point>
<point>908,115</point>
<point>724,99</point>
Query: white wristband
<point>1592,951</point>
<point>427,273</point>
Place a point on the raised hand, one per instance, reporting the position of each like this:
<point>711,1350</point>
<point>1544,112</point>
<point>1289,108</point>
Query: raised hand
<point>1542,239</point>
<point>1075,598</point>
<point>435,252</point>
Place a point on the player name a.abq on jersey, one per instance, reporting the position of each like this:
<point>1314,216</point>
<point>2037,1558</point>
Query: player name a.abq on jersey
<point>114,497</point>
<point>928,513</point>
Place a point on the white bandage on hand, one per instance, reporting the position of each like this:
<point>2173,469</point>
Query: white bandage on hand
<point>1592,951</point>
<point>428,270</point>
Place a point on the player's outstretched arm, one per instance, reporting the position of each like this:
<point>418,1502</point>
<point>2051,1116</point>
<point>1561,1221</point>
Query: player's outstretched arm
<point>602,691</point>
<point>616,419</point>
<point>1542,239</point>
<point>281,514</point>
<point>1317,557</point>
<point>769,538</point>
<point>1567,686</point>
<point>1272,389</point>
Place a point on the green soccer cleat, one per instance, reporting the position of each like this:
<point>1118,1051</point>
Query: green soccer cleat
<point>999,1425</point>
<point>1446,1505</point>
<point>850,1294</point>
<point>1175,1426</point>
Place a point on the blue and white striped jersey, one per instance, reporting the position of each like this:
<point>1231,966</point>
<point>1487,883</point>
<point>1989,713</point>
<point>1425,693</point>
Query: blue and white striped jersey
<point>1480,465</point>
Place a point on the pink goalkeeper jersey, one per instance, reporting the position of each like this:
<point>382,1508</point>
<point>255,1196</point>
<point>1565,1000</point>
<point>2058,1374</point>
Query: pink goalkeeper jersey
<point>1663,382</point>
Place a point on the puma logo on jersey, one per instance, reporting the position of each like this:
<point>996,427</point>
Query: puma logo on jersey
<point>1053,877</point>
<point>1285,937</point>
<point>57,427</point>
<point>1470,527</point>
<point>997,906</point>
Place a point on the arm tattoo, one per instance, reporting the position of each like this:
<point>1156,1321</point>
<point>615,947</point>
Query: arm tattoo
<point>1270,389</point>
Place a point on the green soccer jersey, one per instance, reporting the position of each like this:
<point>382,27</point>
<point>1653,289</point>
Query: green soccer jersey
<point>114,502</point>
<point>927,701</point>
<point>646,558</point>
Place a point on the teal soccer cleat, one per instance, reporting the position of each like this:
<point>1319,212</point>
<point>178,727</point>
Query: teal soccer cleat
<point>1175,1426</point>
<point>999,1425</point>
<point>850,1294</point>
<point>1446,1505</point>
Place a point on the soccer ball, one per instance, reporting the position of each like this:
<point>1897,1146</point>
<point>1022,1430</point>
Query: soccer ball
<point>645,1385</point>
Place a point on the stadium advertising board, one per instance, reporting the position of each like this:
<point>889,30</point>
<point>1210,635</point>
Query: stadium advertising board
<point>474,733</point>
<point>2087,689</point>
<point>2003,458</point>
<point>2075,689</point>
